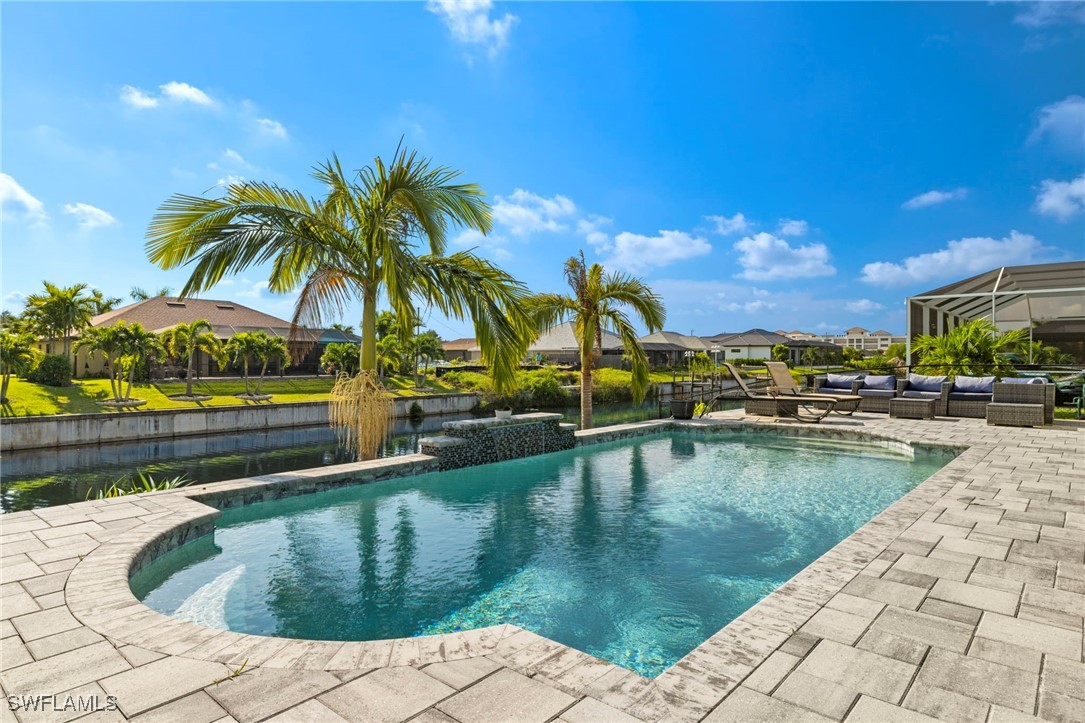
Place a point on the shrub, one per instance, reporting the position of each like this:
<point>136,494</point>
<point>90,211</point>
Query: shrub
<point>747,362</point>
<point>876,364</point>
<point>544,387</point>
<point>54,370</point>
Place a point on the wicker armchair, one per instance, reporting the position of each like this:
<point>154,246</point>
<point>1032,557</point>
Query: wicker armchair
<point>1007,393</point>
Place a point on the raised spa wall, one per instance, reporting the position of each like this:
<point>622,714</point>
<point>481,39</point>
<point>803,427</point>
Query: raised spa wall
<point>481,441</point>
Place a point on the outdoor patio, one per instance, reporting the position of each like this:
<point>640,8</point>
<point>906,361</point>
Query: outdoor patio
<point>963,601</point>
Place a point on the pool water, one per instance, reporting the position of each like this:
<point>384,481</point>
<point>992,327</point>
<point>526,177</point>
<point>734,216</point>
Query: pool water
<point>633,551</point>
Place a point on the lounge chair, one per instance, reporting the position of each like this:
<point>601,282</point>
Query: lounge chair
<point>785,386</point>
<point>802,408</point>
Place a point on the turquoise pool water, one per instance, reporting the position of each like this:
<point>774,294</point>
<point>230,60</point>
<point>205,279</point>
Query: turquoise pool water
<point>635,551</point>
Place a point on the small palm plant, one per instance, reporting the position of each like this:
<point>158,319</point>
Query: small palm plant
<point>184,340</point>
<point>596,305</point>
<point>242,347</point>
<point>270,349</point>
<point>974,348</point>
<point>138,483</point>
<point>17,356</point>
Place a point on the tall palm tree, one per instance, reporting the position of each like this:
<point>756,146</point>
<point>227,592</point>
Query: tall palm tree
<point>242,347</point>
<point>972,348</point>
<point>597,305</point>
<point>345,328</point>
<point>270,349</point>
<point>102,303</point>
<point>139,345</point>
<point>184,340</point>
<point>378,233</point>
<point>140,294</point>
<point>60,312</point>
<point>428,347</point>
<point>17,355</point>
<point>124,346</point>
<point>388,355</point>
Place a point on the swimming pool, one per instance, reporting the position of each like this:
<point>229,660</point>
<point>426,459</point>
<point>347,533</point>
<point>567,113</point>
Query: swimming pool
<point>633,551</point>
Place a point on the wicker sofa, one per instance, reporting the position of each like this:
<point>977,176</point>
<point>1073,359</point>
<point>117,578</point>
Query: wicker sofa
<point>920,386</point>
<point>969,396</point>
<point>1020,391</point>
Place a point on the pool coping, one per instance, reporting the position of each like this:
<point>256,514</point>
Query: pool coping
<point>98,591</point>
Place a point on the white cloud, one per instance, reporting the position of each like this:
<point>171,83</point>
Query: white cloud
<point>959,259</point>
<point>469,22</point>
<point>172,91</point>
<point>933,198</point>
<point>229,179</point>
<point>637,253</point>
<point>271,127</point>
<point>591,229</point>
<point>1062,122</point>
<point>764,257</point>
<point>492,245</point>
<point>726,226</point>
<point>524,213</point>
<point>863,306</point>
<point>16,203</point>
<point>89,216</point>
<point>1044,14</point>
<point>185,93</point>
<point>13,299</point>
<point>792,227</point>
<point>232,155</point>
<point>137,98</point>
<point>251,289</point>
<point>1061,199</point>
<point>748,307</point>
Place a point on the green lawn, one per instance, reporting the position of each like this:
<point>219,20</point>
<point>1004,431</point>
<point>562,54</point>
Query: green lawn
<point>26,399</point>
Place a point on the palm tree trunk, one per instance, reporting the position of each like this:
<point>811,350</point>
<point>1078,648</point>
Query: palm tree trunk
<point>131,378</point>
<point>4,387</point>
<point>585,393</point>
<point>368,355</point>
<point>113,386</point>
<point>245,375</point>
<point>260,381</point>
<point>188,373</point>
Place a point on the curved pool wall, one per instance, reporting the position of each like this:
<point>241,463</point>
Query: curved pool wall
<point>634,551</point>
<point>98,591</point>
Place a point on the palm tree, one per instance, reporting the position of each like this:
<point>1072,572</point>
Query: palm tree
<point>380,232</point>
<point>243,347</point>
<point>428,347</point>
<point>972,348</point>
<point>341,357</point>
<point>17,355</point>
<point>595,306</point>
<point>388,355</point>
<point>270,349</point>
<point>59,312</point>
<point>345,328</point>
<point>124,346</point>
<point>139,345</point>
<point>139,294</point>
<point>184,340</point>
<point>102,303</point>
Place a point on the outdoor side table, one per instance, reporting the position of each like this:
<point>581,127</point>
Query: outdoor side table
<point>1015,415</point>
<point>907,408</point>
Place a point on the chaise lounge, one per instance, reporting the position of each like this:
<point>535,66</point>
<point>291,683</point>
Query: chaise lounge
<point>784,385</point>
<point>802,408</point>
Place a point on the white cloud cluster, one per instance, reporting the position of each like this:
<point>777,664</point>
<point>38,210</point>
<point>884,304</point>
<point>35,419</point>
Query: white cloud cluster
<point>89,216</point>
<point>17,204</point>
<point>726,226</point>
<point>470,22</point>
<point>171,91</point>
<point>933,198</point>
<point>525,213</point>
<point>1042,14</point>
<point>637,253</point>
<point>1061,199</point>
<point>863,306</point>
<point>959,259</point>
<point>271,127</point>
<point>748,307</point>
<point>1062,123</point>
<point>792,227</point>
<point>591,229</point>
<point>765,257</point>
<point>494,244</point>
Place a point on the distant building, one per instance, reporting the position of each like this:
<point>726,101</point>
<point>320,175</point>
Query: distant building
<point>227,318</point>
<point>669,348</point>
<point>868,342</point>
<point>459,348</point>
<point>556,346</point>
<point>758,344</point>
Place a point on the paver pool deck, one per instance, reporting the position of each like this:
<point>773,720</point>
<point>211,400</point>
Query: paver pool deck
<point>963,601</point>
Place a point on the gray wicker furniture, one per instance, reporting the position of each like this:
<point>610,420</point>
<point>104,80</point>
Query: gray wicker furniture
<point>1016,415</point>
<point>912,407</point>
<point>969,396</point>
<point>1041,394</point>
<point>876,391</point>
<point>784,385</point>
<point>802,408</point>
<point>918,386</point>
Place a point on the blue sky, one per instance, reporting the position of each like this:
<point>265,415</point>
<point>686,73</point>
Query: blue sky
<point>760,165</point>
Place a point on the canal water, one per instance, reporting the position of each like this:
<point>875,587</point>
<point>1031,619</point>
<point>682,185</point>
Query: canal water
<point>43,478</point>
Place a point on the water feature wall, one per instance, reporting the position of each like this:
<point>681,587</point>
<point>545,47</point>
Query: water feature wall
<point>470,442</point>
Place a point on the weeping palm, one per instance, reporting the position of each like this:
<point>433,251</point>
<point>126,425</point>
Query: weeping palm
<point>378,233</point>
<point>183,341</point>
<point>974,348</point>
<point>596,306</point>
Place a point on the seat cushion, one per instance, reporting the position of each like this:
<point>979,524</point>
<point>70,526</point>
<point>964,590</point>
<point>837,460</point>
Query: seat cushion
<point>970,396</point>
<point>980,385</point>
<point>918,394</point>
<point>840,381</point>
<point>1024,380</point>
<point>880,382</point>
<point>924,383</point>
<point>877,393</point>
